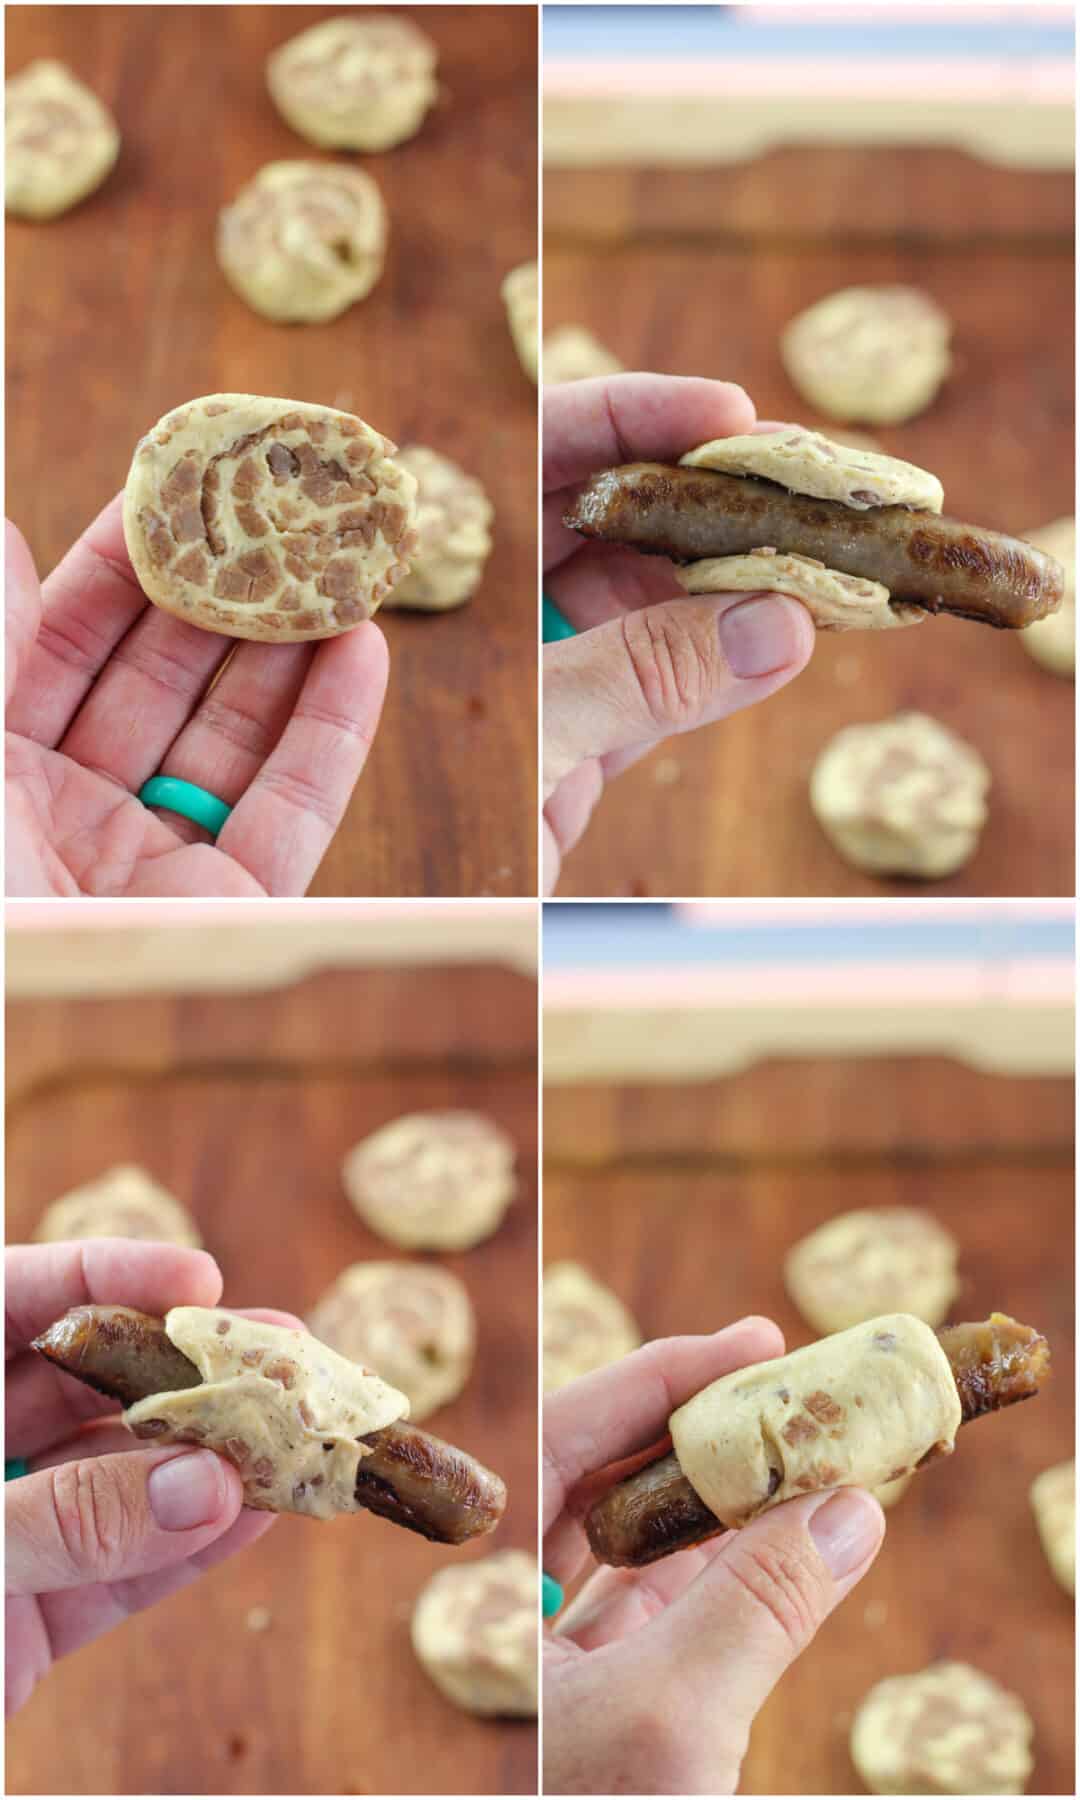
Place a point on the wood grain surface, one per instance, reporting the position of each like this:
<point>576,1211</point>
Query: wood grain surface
<point>681,285</point>
<point>686,1200</point>
<point>117,312</point>
<point>243,1108</point>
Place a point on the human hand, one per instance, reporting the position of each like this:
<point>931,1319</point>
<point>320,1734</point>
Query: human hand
<point>651,661</point>
<point>653,1677</point>
<point>99,1529</point>
<point>105,690</point>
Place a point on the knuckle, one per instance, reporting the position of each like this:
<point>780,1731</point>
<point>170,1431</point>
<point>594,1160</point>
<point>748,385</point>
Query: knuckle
<point>95,1524</point>
<point>300,795</point>
<point>674,662</point>
<point>781,1581</point>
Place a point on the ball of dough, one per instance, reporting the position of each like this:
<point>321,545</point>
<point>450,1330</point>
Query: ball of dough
<point>363,82</point>
<point>947,1730</point>
<point>411,1322</point>
<point>124,1202</point>
<point>872,354</point>
<point>475,1631</point>
<point>860,1264</point>
<point>520,292</point>
<point>1053,1500</point>
<point>303,241</point>
<point>901,797</point>
<point>59,141</point>
<point>1052,641</point>
<point>572,354</point>
<point>268,519</point>
<point>585,1325</point>
<point>453,528</point>
<point>432,1181</point>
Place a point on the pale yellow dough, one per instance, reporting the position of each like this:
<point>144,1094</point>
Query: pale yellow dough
<point>948,1729</point>
<point>303,240</point>
<point>1052,641</point>
<point>123,1202</point>
<point>572,354</point>
<point>284,1408</point>
<point>361,82</point>
<point>585,1325</point>
<point>835,602</point>
<point>411,1321</point>
<point>870,355</point>
<point>883,1259</point>
<point>903,796</point>
<point>453,527</point>
<point>1053,1500</point>
<point>433,1181</point>
<point>268,519</point>
<point>475,1629</point>
<point>808,462</point>
<point>521,297</point>
<point>59,141</point>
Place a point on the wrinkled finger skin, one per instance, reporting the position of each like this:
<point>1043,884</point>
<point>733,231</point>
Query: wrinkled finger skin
<point>408,1475</point>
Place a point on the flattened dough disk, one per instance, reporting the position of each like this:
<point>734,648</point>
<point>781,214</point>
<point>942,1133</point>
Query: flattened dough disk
<point>411,1321</point>
<point>1053,1500</point>
<point>433,1181</point>
<point>474,1630</point>
<point>835,602</point>
<point>870,355</point>
<point>363,82</point>
<point>808,462</point>
<point>1052,641</point>
<point>949,1729</point>
<point>881,1259</point>
<point>453,529</point>
<point>586,1326</point>
<point>303,240</point>
<point>572,354</point>
<point>268,519</point>
<point>60,141</point>
<point>123,1202</point>
<point>520,292</point>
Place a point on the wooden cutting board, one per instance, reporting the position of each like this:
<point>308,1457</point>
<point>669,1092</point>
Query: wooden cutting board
<point>685,1200</point>
<point>244,1106</point>
<point>117,312</point>
<point>695,272</point>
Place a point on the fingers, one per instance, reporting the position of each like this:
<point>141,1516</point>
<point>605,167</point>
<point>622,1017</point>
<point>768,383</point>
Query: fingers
<point>23,609</point>
<point>615,1602</point>
<point>91,601</point>
<point>566,815</point>
<point>282,826</point>
<point>664,670</point>
<point>604,580</point>
<point>111,1518</point>
<point>44,1280</point>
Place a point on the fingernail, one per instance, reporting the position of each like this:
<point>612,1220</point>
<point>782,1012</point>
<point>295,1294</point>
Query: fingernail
<point>845,1531</point>
<point>758,637</point>
<point>187,1491</point>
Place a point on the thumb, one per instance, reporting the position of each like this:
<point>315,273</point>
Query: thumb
<point>665,669</point>
<point>23,609</point>
<point>761,1600</point>
<point>106,1518</point>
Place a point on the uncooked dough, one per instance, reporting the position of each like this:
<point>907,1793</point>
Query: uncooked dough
<point>475,1630</point>
<point>453,529</point>
<point>889,1492</point>
<point>268,519</point>
<point>857,1409</point>
<point>948,1729</point>
<point>835,602</point>
<point>585,1325</point>
<point>363,82</point>
<point>1052,641</point>
<point>59,141</point>
<point>807,462</point>
<point>572,354</point>
<point>433,1181</point>
<point>883,1259</point>
<point>872,354</point>
<point>303,240</point>
<point>285,1409</point>
<point>1053,1500</point>
<point>124,1202</point>
<point>903,796</point>
<point>411,1321</point>
<point>520,294</point>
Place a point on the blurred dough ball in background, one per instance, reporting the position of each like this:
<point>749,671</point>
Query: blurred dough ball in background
<point>572,354</point>
<point>474,1630</point>
<point>872,355</point>
<point>433,1181</point>
<point>303,241</point>
<point>412,1323</point>
<point>946,1730</point>
<point>522,301</point>
<point>1053,1500</point>
<point>59,141</point>
<point>585,1325</point>
<point>363,82</point>
<point>862,1264</point>
<point>124,1202</point>
<point>1052,641</point>
<point>453,524</point>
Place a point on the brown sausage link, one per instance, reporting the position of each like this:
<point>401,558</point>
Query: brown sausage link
<point>409,1476</point>
<point>996,1362</point>
<point>922,558</point>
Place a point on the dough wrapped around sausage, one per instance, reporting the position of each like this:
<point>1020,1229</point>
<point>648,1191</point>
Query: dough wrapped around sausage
<point>284,1408</point>
<point>860,1408</point>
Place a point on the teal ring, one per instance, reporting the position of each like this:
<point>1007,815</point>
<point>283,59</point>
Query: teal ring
<point>551,1596</point>
<point>555,626</point>
<point>183,797</point>
<point>16,1468</point>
